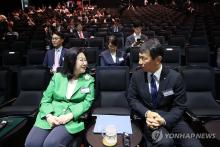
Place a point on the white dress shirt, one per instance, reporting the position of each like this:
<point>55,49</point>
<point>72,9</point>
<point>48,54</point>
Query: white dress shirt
<point>114,57</point>
<point>137,36</point>
<point>57,58</point>
<point>70,88</point>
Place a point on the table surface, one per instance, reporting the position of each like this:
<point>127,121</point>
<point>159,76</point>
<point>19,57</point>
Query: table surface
<point>95,140</point>
<point>12,123</point>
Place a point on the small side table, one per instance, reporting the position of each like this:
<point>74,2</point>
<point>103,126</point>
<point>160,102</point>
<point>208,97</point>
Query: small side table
<point>14,123</point>
<point>95,140</point>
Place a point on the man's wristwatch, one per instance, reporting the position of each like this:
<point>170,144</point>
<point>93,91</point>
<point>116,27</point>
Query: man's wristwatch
<point>146,113</point>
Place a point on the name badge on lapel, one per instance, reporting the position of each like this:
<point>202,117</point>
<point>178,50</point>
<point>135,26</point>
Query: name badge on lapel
<point>168,92</point>
<point>121,59</point>
<point>85,90</point>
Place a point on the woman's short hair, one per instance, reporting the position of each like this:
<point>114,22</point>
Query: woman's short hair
<point>113,40</point>
<point>69,64</point>
<point>153,46</point>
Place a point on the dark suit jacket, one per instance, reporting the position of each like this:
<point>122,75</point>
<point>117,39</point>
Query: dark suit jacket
<point>49,58</point>
<point>130,39</point>
<point>169,107</point>
<point>106,58</point>
<point>120,28</point>
<point>85,34</point>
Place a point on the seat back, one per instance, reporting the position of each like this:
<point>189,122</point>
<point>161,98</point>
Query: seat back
<point>161,39</point>
<point>92,56</point>
<point>134,58</point>
<point>5,84</point>
<point>12,60</point>
<point>111,86</point>
<point>76,42</point>
<point>32,81</point>
<point>200,40</point>
<point>177,41</point>
<point>200,91</point>
<point>19,46</point>
<point>197,55</point>
<point>35,57</point>
<point>172,56</point>
<point>96,42</point>
<point>37,44</point>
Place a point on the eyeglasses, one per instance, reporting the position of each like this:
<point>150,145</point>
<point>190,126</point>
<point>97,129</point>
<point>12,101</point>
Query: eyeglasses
<point>55,38</point>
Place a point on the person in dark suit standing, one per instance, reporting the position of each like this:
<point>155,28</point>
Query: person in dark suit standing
<point>54,58</point>
<point>112,56</point>
<point>80,33</point>
<point>157,95</point>
<point>137,38</point>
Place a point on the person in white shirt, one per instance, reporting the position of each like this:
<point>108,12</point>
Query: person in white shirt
<point>112,56</point>
<point>54,57</point>
<point>157,95</point>
<point>137,38</point>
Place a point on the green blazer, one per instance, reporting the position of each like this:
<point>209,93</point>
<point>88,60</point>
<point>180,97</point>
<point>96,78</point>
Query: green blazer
<point>54,101</point>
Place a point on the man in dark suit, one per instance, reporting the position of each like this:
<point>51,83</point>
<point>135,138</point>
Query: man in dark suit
<point>157,95</point>
<point>80,33</point>
<point>137,38</point>
<point>54,58</point>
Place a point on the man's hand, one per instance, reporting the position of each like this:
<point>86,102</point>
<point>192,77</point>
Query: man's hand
<point>161,121</point>
<point>63,119</point>
<point>135,44</point>
<point>154,120</point>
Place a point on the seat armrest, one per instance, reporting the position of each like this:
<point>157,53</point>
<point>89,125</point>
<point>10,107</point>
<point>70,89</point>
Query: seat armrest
<point>84,116</point>
<point>9,102</point>
<point>218,101</point>
<point>192,117</point>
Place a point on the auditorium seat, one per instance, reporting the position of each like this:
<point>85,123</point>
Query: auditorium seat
<point>198,55</point>
<point>96,42</point>
<point>172,57</point>
<point>111,89</point>
<point>32,81</point>
<point>200,93</point>
<point>35,57</point>
<point>76,42</point>
<point>5,85</point>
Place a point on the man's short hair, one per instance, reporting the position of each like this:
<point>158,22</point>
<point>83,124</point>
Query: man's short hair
<point>59,34</point>
<point>137,24</point>
<point>153,46</point>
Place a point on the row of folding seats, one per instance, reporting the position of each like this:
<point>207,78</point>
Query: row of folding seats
<point>111,96</point>
<point>174,56</point>
<point>38,77</point>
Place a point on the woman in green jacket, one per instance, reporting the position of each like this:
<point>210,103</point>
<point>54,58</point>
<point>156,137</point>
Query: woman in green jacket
<point>69,94</point>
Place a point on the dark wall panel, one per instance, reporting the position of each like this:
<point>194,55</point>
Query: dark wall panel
<point>9,5</point>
